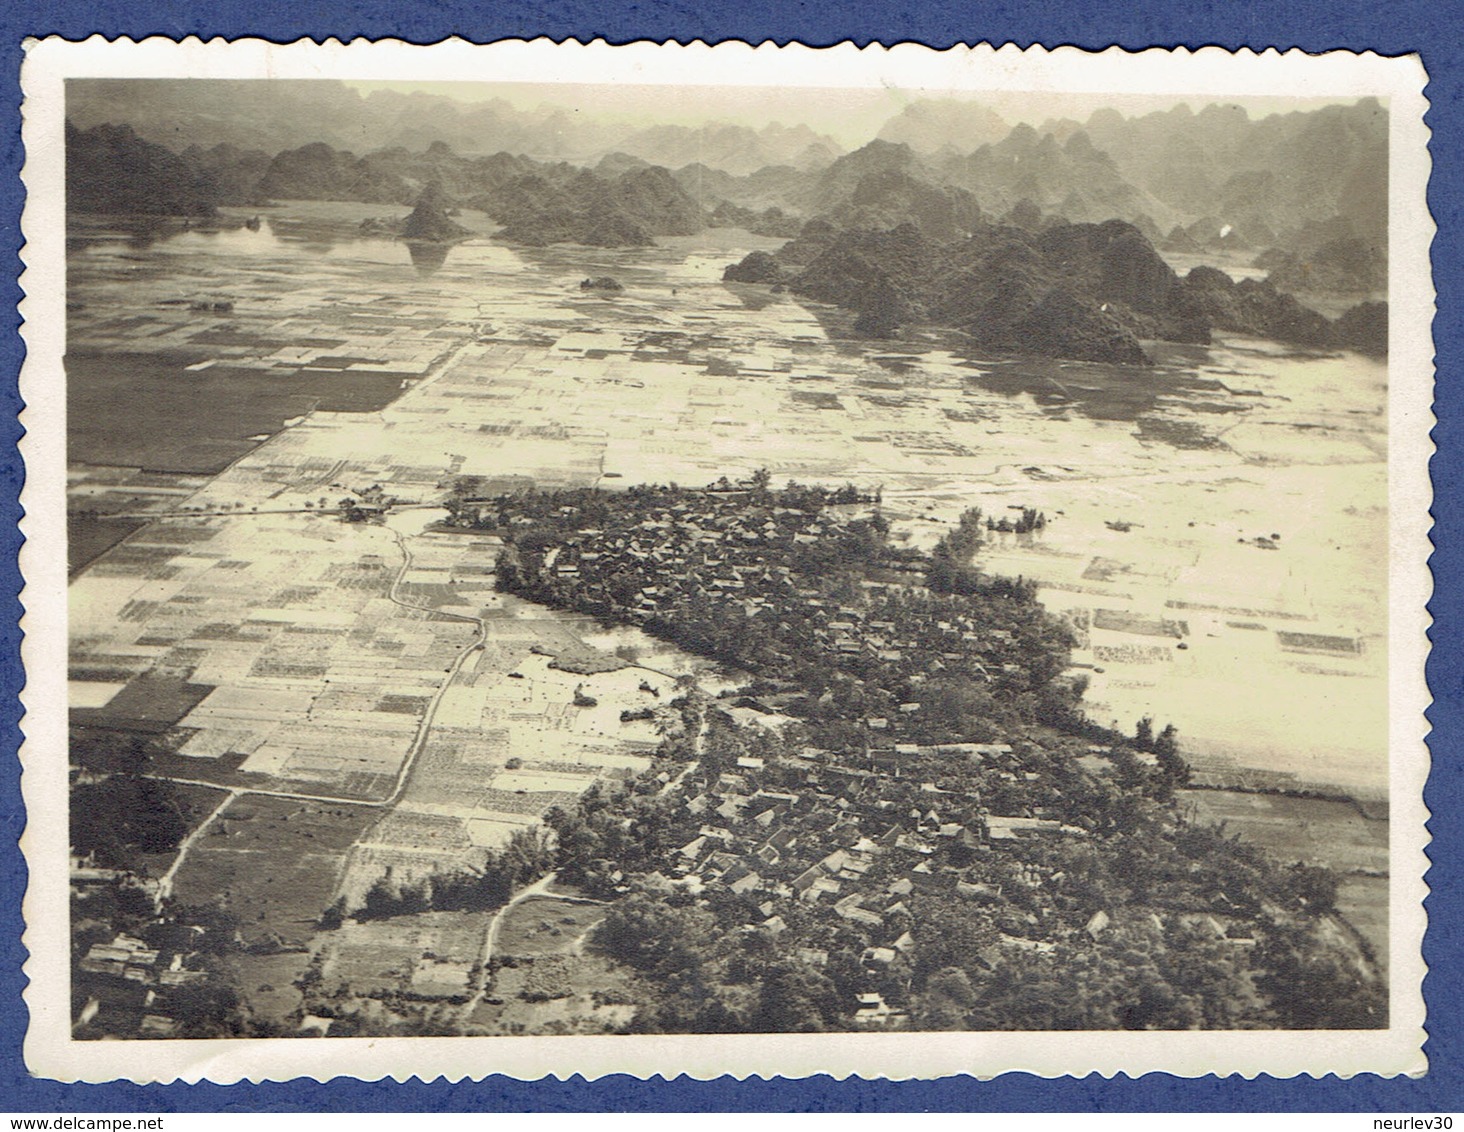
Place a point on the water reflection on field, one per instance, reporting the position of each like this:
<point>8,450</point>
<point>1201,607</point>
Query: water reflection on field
<point>1218,523</point>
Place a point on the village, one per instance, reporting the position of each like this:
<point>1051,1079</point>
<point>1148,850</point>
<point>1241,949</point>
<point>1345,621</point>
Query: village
<point>805,576</point>
<point>838,851</point>
<point>873,842</point>
<point>889,794</point>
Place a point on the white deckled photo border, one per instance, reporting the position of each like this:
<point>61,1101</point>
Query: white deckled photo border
<point>50,1050</point>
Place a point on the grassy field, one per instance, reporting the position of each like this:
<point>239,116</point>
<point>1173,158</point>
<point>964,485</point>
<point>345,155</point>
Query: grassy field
<point>272,862</point>
<point>544,926</point>
<point>1311,830</point>
<point>266,986</point>
<point>1319,832</point>
<point>506,1010</point>
<point>546,980</point>
<point>426,956</point>
<point>196,803</point>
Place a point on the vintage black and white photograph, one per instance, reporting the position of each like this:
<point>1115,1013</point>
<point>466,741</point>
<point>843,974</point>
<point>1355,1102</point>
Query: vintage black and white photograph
<point>582,558</point>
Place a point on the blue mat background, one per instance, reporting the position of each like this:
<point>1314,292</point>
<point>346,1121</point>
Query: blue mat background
<point>1434,30</point>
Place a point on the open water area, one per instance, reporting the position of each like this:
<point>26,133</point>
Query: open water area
<point>1217,523</point>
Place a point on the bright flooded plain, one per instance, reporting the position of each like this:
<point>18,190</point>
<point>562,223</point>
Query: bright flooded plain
<point>1216,533</point>
<point>1217,523</point>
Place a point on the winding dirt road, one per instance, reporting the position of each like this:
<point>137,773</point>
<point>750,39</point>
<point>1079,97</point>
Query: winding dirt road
<point>539,888</point>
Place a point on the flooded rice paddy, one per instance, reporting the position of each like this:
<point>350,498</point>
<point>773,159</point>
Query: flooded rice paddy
<point>1217,523</point>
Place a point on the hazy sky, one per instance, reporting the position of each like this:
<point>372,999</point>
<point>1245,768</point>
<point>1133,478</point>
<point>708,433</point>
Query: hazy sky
<point>852,115</point>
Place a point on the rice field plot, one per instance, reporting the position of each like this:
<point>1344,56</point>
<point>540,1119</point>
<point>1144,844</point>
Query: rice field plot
<point>455,767</point>
<point>1312,830</point>
<point>145,409</point>
<point>529,804</point>
<point>1363,902</point>
<point>441,787</point>
<point>494,831</point>
<point>1319,832</point>
<point>421,832</point>
<point>89,537</point>
<point>537,779</point>
<point>152,702</point>
<point>272,862</point>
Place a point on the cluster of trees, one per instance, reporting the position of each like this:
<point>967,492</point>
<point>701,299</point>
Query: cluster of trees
<point>1174,772</point>
<point>1030,520</point>
<point>709,978</point>
<point>1162,959</point>
<point>560,510</point>
<point>119,817</point>
<point>1312,987</point>
<point>599,840</point>
<point>550,977</point>
<point>1143,976</point>
<point>528,855</point>
<point>950,570</point>
<point>959,545</point>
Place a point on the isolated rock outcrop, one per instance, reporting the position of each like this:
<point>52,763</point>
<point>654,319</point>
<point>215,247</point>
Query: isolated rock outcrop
<point>582,207</point>
<point>1364,328</point>
<point>1254,307</point>
<point>318,172</point>
<point>755,267</point>
<point>429,221</point>
<point>1061,325</point>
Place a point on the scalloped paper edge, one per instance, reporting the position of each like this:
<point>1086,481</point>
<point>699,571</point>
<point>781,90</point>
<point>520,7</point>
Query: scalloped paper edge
<point>50,1052</point>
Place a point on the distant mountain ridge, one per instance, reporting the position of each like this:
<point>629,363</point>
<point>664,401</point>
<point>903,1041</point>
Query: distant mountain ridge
<point>539,203</point>
<point>110,169</point>
<point>1278,171</point>
<point>1301,195</point>
<point>1224,178</point>
<point>289,114</point>
<point>735,149</point>
<point>930,125</point>
<point>1309,186</point>
<point>1072,179</point>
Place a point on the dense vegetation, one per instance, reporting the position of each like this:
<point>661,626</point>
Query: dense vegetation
<point>887,828</point>
<point>525,858</point>
<point>117,817</point>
